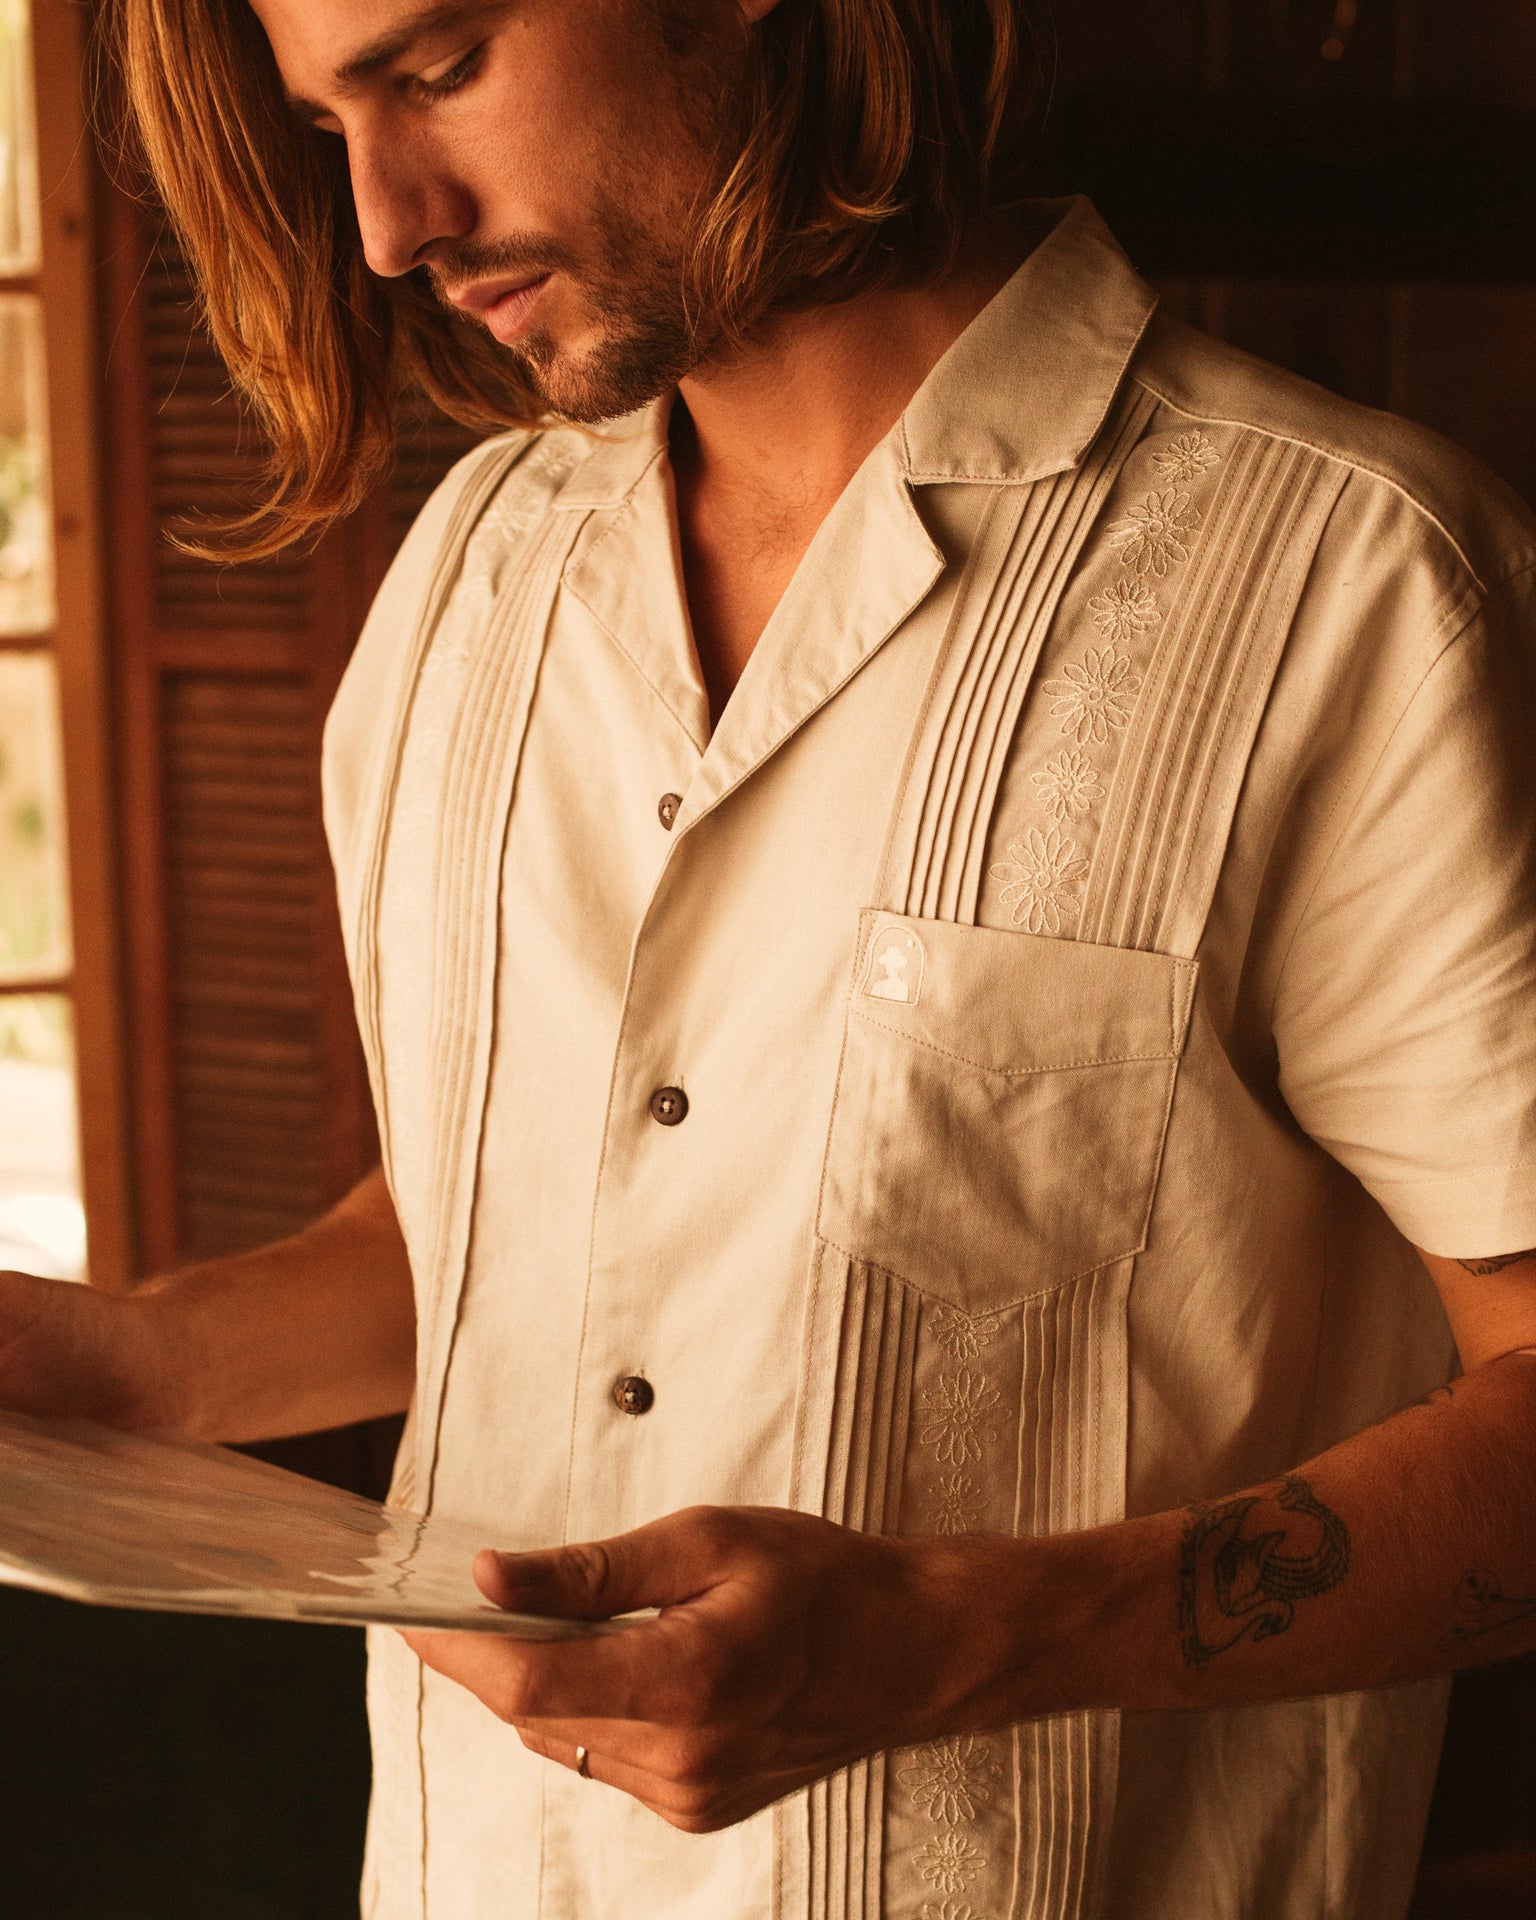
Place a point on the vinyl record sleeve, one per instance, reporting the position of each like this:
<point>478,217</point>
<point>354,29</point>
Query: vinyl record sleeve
<point>181,1526</point>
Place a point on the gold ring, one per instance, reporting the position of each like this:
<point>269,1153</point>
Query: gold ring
<point>583,1756</point>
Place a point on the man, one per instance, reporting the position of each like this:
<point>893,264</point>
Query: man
<point>935,912</point>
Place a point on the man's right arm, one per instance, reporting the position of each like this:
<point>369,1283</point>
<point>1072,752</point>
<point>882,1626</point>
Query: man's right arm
<point>311,1332</point>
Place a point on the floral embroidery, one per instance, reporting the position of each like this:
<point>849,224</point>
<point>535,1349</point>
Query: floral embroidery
<point>1042,871</point>
<point>961,1336</point>
<point>952,1778</point>
<point>1186,458</point>
<point>1127,608</point>
<point>949,1863</point>
<point>957,1498</point>
<point>949,1910</point>
<point>1155,534</point>
<point>1090,699</point>
<point>1068,785</point>
<point>959,1416</point>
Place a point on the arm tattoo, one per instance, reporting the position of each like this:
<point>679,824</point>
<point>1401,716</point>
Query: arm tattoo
<point>1485,1607</point>
<point>1496,1263</point>
<point>1245,1563</point>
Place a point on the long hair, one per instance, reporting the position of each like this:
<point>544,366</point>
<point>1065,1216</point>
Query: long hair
<point>871,134</point>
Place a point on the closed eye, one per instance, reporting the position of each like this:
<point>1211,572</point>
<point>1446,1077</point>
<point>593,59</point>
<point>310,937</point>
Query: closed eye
<point>440,85</point>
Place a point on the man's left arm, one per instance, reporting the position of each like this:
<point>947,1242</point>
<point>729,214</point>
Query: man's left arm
<point>786,1646</point>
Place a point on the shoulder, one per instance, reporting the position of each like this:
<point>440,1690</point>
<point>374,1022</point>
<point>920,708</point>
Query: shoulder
<point>1431,502</point>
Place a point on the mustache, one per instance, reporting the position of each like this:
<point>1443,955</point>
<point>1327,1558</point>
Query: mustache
<point>518,255</point>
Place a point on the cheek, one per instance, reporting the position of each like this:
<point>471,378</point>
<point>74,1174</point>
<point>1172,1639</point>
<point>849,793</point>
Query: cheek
<point>533,156</point>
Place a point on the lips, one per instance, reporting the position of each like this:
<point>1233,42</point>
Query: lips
<point>503,306</point>
<point>482,295</point>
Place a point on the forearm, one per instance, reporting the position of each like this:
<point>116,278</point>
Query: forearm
<point>1406,1551</point>
<point>310,1332</point>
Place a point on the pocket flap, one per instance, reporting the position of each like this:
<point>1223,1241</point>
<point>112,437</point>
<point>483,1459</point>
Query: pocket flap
<point>1017,1003</point>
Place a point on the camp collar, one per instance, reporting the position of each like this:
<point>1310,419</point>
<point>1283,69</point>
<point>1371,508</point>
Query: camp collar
<point>1020,395</point>
<point>1024,390</point>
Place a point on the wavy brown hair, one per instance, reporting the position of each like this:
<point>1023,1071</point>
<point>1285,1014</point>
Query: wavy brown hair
<point>871,134</point>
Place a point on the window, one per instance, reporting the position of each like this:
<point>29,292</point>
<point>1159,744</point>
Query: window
<point>42,1220</point>
<point>57,993</point>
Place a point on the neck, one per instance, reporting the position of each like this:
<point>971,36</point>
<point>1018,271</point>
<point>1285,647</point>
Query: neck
<point>767,436</point>
<point>793,414</point>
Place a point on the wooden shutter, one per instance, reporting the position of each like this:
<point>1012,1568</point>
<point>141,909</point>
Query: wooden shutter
<point>250,1103</point>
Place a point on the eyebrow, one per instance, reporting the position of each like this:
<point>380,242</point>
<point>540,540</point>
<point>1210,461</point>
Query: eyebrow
<point>389,46</point>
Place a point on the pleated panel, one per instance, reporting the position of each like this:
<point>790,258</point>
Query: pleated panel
<point>867,1443</point>
<point>1165,827</point>
<point>488,476</point>
<point>484,754</point>
<point>987,670</point>
<point>1071,1411</point>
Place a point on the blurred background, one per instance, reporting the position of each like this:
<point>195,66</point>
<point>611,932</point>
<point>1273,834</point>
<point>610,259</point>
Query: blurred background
<point>1345,186</point>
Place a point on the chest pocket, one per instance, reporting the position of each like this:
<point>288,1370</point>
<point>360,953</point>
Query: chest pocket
<point>1001,1106</point>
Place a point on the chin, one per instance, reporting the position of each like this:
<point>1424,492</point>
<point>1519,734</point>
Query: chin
<point>604,381</point>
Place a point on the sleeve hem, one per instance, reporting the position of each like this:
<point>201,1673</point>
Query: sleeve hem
<point>1472,1216</point>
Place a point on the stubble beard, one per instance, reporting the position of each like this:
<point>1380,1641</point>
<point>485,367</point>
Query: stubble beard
<point>633,291</point>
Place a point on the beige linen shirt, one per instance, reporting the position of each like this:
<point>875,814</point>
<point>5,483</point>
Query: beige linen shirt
<point>1095,940</point>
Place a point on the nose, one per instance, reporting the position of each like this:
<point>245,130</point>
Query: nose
<point>408,201</point>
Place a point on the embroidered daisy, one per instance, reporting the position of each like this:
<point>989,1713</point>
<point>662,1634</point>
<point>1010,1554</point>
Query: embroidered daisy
<point>1186,458</point>
<point>1041,873</point>
<point>961,1335</point>
<point>1068,786</point>
<point>958,1415</point>
<point>1090,698</point>
<point>952,1778</point>
<point>1154,535</point>
<point>1122,611</point>
<point>957,1500</point>
<point>949,1862</point>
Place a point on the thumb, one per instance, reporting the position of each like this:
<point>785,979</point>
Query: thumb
<point>662,1564</point>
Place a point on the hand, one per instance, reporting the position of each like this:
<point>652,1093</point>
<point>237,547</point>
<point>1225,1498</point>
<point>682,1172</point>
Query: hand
<point>69,1352</point>
<point>785,1648</point>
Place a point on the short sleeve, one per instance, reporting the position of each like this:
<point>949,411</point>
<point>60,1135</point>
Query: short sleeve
<point>1405,1011</point>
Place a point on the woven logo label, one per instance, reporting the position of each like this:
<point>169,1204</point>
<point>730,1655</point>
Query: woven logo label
<point>895,968</point>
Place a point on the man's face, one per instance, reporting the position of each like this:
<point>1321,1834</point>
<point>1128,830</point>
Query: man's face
<point>544,160</point>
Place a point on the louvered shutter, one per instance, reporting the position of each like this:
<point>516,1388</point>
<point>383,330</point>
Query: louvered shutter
<point>251,1106</point>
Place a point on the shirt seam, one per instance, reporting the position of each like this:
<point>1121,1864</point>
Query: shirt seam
<point>1513,564</point>
<point>1170,1052</point>
<point>1403,1182</point>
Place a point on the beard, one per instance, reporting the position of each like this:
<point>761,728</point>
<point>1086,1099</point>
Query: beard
<point>633,285</point>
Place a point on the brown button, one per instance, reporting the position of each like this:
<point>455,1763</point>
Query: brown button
<point>669,1106</point>
<point>666,809</point>
<point>634,1394</point>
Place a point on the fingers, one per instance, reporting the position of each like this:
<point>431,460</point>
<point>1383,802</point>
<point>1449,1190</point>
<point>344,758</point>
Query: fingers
<point>649,1672</point>
<point>663,1564</point>
<point>692,1802</point>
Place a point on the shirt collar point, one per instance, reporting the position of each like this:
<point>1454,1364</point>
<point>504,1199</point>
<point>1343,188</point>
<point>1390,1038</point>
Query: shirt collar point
<point>1023,392</point>
<point>621,453</point>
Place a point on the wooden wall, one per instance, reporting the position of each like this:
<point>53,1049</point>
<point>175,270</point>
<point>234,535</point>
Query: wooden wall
<point>1365,215</point>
